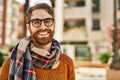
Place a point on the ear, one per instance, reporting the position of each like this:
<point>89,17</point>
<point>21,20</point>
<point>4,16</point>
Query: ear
<point>28,26</point>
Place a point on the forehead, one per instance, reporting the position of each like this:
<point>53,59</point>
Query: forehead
<point>40,13</point>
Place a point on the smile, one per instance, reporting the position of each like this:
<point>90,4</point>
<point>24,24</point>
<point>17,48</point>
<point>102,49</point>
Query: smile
<point>43,34</point>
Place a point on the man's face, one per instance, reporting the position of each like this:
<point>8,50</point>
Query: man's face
<point>43,33</point>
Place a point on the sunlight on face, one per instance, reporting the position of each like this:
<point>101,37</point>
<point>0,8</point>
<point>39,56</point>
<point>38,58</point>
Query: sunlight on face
<point>41,35</point>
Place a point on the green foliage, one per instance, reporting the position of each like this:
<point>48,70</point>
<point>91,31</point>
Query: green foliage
<point>11,47</point>
<point>104,57</point>
<point>3,55</point>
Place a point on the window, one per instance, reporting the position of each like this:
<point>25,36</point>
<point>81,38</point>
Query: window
<point>96,5</point>
<point>1,2</point>
<point>118,4</point>
<point>82,53</point>
<point>16,11</point>
<point>78,3</point>
<point>96,24</point>
<point>75,23</point>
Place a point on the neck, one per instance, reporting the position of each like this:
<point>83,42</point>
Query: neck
<point>46,47</point>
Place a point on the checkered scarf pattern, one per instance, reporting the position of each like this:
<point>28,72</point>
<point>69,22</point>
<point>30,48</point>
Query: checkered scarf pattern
<point>25,56</point>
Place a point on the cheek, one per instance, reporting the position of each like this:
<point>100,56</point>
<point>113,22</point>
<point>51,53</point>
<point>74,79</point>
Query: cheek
<point>53,28</point>
<point>31,31</point>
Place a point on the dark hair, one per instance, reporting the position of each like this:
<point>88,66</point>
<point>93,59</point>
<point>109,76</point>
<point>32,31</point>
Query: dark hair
<point>44,6</point>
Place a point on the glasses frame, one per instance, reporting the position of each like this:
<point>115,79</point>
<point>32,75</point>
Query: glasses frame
<point>32,20</point>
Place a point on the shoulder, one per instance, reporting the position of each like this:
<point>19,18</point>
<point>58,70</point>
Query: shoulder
<point>66,59</point>
<point>7,61</point>
<point>5,65</point>
<point>4,71</point>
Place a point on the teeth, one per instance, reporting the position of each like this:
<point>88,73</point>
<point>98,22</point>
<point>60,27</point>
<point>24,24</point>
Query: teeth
<point>43,33</point>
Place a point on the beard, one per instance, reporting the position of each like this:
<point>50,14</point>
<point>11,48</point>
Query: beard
<point>42,40</point>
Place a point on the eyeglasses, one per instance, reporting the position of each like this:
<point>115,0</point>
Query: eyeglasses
<point>47,22</point>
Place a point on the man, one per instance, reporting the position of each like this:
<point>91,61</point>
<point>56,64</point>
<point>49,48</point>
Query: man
<point>38,56</point>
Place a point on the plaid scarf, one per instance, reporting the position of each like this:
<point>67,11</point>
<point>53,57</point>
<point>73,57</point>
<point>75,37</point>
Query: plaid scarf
<point>25,56</point>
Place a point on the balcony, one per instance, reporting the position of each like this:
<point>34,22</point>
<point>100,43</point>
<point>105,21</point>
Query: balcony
<point>76,12</point>
<point>75,34</point>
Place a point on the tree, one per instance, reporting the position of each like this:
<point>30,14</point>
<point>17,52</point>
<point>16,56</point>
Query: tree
<point>4,21</point>
<point>114,31</point>
<point>110,36</point>
<point>26,5</point>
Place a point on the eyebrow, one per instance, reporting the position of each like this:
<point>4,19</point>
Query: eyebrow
<point>43,18</point>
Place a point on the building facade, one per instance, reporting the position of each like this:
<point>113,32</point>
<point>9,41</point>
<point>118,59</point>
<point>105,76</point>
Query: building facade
<point>14,21</point>
<point>81,26</point>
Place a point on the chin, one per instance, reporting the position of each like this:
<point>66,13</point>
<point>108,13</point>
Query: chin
<point>44,41</point>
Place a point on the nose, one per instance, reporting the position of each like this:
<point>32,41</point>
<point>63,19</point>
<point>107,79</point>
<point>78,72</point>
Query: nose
<point>42,26</point>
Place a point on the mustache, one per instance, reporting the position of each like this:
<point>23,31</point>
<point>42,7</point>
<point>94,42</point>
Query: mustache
<point>41,30</point>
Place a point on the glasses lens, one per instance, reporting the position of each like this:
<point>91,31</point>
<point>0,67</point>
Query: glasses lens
<point>48,21</point>
<point>36,22</point>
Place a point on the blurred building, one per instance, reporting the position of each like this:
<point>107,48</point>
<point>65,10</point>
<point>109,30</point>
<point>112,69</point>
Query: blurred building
<point>81,26</point>
<point>14,21</point>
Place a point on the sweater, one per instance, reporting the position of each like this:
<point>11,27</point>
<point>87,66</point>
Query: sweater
<point>65,70</point>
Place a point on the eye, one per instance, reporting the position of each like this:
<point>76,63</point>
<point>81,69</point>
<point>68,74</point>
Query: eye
<point>36,22</point>
<point>48,21</point>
